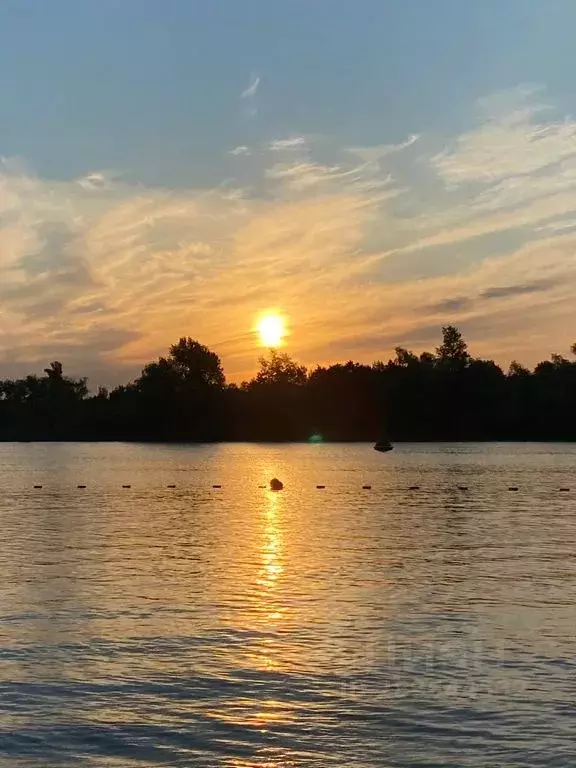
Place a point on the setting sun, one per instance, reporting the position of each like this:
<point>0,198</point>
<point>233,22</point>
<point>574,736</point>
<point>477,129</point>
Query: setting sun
<point>272,330</point>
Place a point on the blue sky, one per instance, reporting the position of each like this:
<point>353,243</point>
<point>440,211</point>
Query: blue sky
<point>370,169</point>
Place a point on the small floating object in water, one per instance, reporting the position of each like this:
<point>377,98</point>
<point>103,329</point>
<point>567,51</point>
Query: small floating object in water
<point>37,486</point>
<point>462,487</point>
<point>170,486</point>
<point>80,486</point>
<point>320,487</point>
<point>366,487</point>
<point>216,486</point>
<point>564,490</point>
<point>513,488</point>
<point>383,446</point>
<point>276,485</point>
<point>414,488</point>
<point>126,486</point>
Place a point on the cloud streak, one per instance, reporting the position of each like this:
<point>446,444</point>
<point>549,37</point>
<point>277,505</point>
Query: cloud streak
<point>252,88</point>
<point>283,145</point>
<point>240,150</point>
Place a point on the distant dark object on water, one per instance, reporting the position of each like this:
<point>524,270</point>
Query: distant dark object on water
<point>383,446</point>
<point>276,485</point>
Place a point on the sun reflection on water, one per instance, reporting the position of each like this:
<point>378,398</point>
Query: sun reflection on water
<point>268,594</point>
<point>272,567</point>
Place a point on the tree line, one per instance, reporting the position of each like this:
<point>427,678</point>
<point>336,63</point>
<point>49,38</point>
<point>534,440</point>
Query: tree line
<point>442,395</point>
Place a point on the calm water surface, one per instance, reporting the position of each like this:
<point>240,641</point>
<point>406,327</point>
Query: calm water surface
<point>194,626</point>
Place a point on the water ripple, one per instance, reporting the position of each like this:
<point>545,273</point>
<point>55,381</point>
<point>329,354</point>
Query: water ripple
<point>340,627</point>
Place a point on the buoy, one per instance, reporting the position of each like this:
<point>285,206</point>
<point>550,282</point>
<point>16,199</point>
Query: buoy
<point>462,487</point>
<point>170,486</point>
<point>276,485</point>
<point>320,487</point>
<point>216,486</point>
<point>37,486</point>
<point>366,487</point>
<point>81,486</point>
<point>513,488</point>
<point>414,488</point>
<point>126,486</point>
<point>564,490</point>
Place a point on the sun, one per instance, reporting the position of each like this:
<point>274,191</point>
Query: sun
<point>271,329</point>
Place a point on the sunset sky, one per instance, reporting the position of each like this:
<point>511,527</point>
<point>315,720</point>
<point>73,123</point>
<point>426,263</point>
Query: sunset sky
<point>370,169</point>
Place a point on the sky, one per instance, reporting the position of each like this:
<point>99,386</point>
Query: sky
<point>372,170</point>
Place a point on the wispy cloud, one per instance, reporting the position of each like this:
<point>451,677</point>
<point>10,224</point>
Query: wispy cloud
<point>283,145</point>
<point>378,152</point>
<point>252,88</point>
<point>96,181</point>
<point>513,141</point>
<point>240,150</point>
<point>522,289</point>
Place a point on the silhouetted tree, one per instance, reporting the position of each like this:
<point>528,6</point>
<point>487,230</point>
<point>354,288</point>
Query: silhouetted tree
<point>404,358</point>
<point>196,363</point>
<point>517,369</point>
<point>55,371</point>
<point>279,368</point>
<point>444,395</point>
<point>453,351</point>
<point>181,394</point>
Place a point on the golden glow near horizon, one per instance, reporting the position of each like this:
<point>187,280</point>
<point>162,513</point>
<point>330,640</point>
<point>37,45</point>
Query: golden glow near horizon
<point>271,329</point>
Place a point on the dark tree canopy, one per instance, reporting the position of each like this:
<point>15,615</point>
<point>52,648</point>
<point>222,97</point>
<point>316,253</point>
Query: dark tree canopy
<point>279,368</point>
<point>196,363</point>
<point>517,369</point>
<point>55,371</point>
<point>443,395</point>
<point>453,349</point>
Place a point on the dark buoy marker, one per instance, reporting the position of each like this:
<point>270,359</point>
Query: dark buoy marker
<point>81,486</point>
<point>366,487</point>
<point>414,488</point>
<point>513,488</point>
<point>37,486</point>
<point>126,486</point>
<point>276,485</point>
<point>320,487</point>
<point>216,486</point>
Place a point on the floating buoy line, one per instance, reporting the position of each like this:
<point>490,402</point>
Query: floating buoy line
<point>277,485</point>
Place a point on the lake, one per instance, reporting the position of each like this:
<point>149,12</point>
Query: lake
<point>363,628</point>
